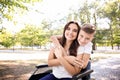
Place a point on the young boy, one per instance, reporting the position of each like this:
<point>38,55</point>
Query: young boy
<point>85,37</point>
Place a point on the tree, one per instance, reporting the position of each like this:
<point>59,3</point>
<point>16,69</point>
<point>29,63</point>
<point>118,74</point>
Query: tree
<point>111,10</point>
<point>8,8</point>
<point>6,38</point>
<point>32,36</point>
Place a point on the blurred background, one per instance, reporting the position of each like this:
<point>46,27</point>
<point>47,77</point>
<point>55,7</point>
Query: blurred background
<point>30,23</point>
<point>26,27</point>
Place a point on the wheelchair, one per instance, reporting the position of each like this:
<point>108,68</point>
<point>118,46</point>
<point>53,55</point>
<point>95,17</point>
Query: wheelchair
<point>45,69</point>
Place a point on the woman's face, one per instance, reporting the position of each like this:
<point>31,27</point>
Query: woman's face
<point>71,32</point>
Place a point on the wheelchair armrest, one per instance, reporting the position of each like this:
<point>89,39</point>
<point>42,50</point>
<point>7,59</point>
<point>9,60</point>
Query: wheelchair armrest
<point>42,66</point>
<point>82,74</point>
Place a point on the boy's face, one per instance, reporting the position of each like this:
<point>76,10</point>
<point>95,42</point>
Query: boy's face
<point>84,38</point>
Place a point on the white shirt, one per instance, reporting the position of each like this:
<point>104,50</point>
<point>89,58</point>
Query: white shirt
<point>61,72</point>
<point>85,49</point>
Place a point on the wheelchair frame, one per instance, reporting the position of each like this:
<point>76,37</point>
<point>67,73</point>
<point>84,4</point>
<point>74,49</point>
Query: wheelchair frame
<point>35,76</point>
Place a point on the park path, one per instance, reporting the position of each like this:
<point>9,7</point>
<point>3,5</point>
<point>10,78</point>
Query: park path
<point>20,55</point>
<point>19,66</point>
<point>107,66</point>
<point>107,69</point>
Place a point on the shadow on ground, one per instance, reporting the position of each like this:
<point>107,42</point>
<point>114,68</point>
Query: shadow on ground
<point>105,66</point>
<point>17,70</point>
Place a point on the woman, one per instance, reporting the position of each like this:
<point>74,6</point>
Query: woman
<point>85,37</point>
<point>62,69</point>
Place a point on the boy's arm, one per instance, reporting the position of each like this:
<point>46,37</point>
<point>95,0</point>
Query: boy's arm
<point>76,61</point>
<point>55,40</point>
<point>69,67</point>
<point>85,52</point>
<point>80,61</point>
<point>84,58</point>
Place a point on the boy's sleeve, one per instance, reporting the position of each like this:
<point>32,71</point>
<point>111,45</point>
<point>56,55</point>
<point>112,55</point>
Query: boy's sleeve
<point>85,49</point>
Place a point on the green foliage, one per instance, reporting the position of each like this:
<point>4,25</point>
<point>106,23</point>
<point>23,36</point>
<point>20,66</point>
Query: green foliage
<point>12,3</point>
<point>116,35</point>
<point>111,10</point>
<point>103,36</point>
<point>16,3</point>
<point>7,42</point>
<point>6,38</point>
<point>31,36</point>
<point>38,36</point>
<point>8,7</point>
<point>85,14</point>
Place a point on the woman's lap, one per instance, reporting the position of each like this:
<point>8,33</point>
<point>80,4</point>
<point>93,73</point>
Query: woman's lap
<point>52,77</point>
<point>49,77</point>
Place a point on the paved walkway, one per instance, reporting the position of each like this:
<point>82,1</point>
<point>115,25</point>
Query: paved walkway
<point>106,66</point>
<point>20,55</point>
<point>107,69</point>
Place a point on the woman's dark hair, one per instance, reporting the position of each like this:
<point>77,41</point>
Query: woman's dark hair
<point>75,44</point>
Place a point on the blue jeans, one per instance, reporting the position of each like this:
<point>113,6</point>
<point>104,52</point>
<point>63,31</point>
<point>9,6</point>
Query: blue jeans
<point>87,68</point>
<point>52,77</point>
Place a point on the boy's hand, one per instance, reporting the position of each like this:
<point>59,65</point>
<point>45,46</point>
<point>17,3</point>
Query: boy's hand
<point>58,52</point>
<point>74,61</point>
<point>78,63</point>
<point>55,41</point>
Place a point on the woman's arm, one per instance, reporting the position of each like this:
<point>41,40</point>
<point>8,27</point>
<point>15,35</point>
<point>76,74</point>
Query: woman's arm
<point>69,67</point>
<point>75,63</point>
<point>52,60</point>
<point>79,61</point>
<point>60,60</point>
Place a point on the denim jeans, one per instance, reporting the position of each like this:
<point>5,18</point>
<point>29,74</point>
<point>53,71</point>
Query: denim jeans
<point>87,68</point>
<point>52,77</point>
